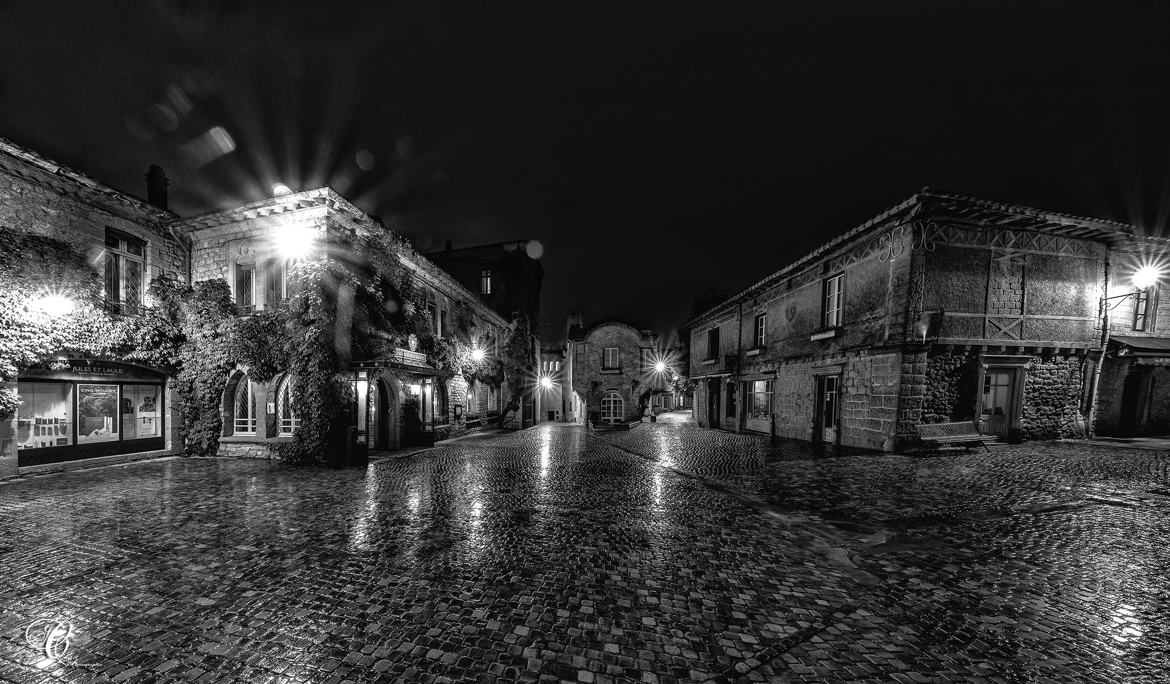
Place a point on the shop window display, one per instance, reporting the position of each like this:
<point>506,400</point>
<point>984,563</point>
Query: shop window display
<point>97,413</point>
<point>140,411</point>
<point>44,416</point>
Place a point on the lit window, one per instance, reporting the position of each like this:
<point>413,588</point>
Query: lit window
<point>761,330</point>
<point>124,268</point>
<point>610,359</point>
<point>558,365</point>
<point>759,404</point>
<point>244,408</point>
<point>1142,321</point>
<point>284,399</point>
<point>834,300</point>
<point>485,282</point>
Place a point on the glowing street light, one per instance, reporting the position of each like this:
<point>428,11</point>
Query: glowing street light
<point>477,354</point>
<point>660,367</point>
<point>295,242</point>
<point>55,305</point>
<point>546,382</point>
<point>1146,277</point>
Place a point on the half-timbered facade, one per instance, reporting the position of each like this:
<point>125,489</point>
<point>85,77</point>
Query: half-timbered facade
<point>943,308</point>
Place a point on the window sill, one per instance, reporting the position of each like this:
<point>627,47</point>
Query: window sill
<point>825,334</point>
<point>708,362</point>
<point>611,371</point>
<point>754,351</point>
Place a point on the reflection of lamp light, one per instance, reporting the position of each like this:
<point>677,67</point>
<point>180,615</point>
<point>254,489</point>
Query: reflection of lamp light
<point>920,329</point>
<point>415,389</point>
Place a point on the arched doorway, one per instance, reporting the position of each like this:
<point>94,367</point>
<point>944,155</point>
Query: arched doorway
<point>613,409</point>
<point>384,403</point>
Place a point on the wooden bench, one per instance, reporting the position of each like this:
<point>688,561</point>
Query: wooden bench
<point>964,434</point>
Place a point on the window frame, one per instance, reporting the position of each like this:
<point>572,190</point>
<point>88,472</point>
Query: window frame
<point>284,394</point>
<point>246,386</point>
<point>833,301</point>
<point>1144,306</point>
<point>713,349</point>
<point>612,400</point>
<point>116,256</point>
<point>617,358</point>
<point>485,281</point>
<point>761,330</point>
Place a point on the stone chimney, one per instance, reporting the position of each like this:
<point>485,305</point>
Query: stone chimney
<point>156,186</point>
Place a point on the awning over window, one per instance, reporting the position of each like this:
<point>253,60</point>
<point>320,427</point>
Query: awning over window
<point>1127,345</point>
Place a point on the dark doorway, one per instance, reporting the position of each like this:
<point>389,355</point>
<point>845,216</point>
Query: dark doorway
<point>714,402</point>
<point>552,415</point>
<point>1133,403</point>
<point>828,416</point>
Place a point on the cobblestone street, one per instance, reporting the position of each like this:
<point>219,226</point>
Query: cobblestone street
<point>667,553</point>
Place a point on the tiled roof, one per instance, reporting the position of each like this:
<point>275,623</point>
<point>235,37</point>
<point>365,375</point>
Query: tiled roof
<point>991,212</point>
<point>76,184</point>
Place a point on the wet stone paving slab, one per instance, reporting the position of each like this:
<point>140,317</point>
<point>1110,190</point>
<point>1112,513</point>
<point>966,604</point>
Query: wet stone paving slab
<point>667,553</point>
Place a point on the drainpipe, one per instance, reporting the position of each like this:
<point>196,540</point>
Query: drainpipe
<point>1103,315</point>
<point>739,421</point>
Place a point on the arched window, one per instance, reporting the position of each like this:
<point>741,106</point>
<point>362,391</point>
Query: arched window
<point>284,411</point>
<point>244,408</point>
<point>613,409</point>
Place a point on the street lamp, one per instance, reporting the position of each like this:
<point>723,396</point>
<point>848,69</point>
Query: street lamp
<point>1144,278</point>
<point>53,304</point>
<point>546,382</point>
<point>477,354</point>
<point>295,242</point>
<point>660,367</point>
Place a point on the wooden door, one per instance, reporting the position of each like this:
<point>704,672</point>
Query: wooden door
<point>997,406</point>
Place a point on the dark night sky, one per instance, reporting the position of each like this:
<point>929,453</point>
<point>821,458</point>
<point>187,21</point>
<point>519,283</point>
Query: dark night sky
<point>656,149</point>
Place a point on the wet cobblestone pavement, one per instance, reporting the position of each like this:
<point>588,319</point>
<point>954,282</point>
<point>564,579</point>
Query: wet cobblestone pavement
<point>664,554</point>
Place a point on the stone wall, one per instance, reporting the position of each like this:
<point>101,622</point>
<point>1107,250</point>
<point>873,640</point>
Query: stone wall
<point>911,396</point>
<point>248,450</point>
<point>34,201</point>
<point>591,380</point>
<point>950,387</point>
<point>868,398</point>
<point>1053,387</point>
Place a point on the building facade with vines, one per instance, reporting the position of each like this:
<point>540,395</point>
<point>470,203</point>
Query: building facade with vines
<point>67,236</point>
<point>292,327</point>
<point>403,395</point>
<point>944,308</point>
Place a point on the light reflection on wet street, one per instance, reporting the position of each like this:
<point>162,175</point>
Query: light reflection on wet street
<point>666,553</point>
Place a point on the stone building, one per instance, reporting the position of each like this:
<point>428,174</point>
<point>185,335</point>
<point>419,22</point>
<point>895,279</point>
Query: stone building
<point>81,408</point>
<point>506,275</point>
<point>611,371</point>
<point>252,247</point>
<point>550,379</point>
<point>946,307</point>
